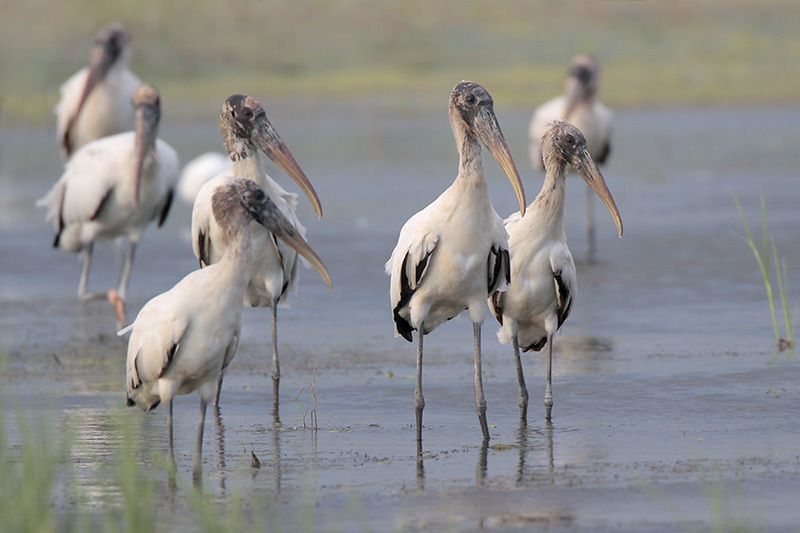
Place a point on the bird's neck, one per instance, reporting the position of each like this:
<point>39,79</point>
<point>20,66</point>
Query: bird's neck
<point>247,164</point>
<point>548,207</point>
<point>470,160</point>
<point>235,263</point>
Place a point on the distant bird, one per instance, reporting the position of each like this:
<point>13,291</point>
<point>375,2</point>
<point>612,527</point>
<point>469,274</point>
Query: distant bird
<point>579,106</point>
<point>543,281</point>
<point>96,101</point>
<point>183,338</point>
<point>115,186</point>
<point>454,253</point>
<point>198,171</point>
<point>246,130</point>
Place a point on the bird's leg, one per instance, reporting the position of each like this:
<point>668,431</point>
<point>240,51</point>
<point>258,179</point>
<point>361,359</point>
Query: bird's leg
<point>125,273</point>
<point>480,400</point>
<point>523,390</point>
<point>170,441</point>
<point>276,365</point>
<point>219,389</point>
<point>83,291</point>
<point>419,399</point>
<point>590,224</point>
<point>548,390</point>
<point>197,464</point>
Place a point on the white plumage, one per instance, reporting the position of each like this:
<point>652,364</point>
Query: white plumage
<point>273,270</point>
<point>453,253</point>
<point>198,171</point>
<point>183,339</point>
<point>96,101</point>
<point>543,278</point>
<point>113,187</point>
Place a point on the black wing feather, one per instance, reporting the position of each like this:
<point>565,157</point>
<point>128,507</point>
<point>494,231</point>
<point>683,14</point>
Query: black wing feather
<point>202,254</point>
<point>604,154</point>
<point>165,208</point>
<point>404,328</point>
<point>564,299</point>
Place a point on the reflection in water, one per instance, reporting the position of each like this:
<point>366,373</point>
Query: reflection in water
<point>480,470</point>
<point>420,467</point>
<point>585,353</point>
<point>548,440</point>
<point>522,445</point>
<point>276,445</point>
<point>220,433</point>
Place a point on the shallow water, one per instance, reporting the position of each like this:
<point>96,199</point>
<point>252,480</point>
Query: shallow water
<point>666,386</point>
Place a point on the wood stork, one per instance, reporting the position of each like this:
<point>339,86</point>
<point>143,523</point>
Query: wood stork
<point>96,101</point>
<point>246,130</point>
<point>182,339</point>
<point>114,187</point>
<point>454,253</point>
<point>578,106</point>
<point>543,281</point>
<point>198,171</point>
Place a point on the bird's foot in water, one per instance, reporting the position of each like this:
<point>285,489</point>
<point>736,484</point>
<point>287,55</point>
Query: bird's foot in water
<point>87,296</point>
<point>119,307</point>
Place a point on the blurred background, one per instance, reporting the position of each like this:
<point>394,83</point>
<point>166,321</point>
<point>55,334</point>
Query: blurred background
<point>666,369</point>
<point>410,53</point>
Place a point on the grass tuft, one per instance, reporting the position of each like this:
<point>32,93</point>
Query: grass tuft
<point>766,252</point>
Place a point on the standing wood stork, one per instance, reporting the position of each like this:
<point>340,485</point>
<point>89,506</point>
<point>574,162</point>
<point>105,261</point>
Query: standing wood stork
<point>115,186</point>
<point>246,130</point>
<point>183,338</point>
<point>578,106</point>
<point>543,281</point>
<point>454,253</point>
<point>96,100</point>
<point>198,171</point>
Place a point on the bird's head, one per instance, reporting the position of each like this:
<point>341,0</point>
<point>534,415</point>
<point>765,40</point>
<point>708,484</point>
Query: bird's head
<point>110,45</point>
<point>245,130</point>
<point>582,81</point>
<point>564,144</point>
<point>241,200</point>
<point>472,111</point>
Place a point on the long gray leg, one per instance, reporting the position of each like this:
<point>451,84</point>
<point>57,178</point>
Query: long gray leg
<point>170,441</point>
<point>590,223</point>
<point>125,273</point>
<point>86,265</point>
<point>548,391</point>
<point>419,399</point>
<point>523,389</point>
<point>276,365</point>
<point>480,400</point>
<point>197,464</point>
<point>219,389</point>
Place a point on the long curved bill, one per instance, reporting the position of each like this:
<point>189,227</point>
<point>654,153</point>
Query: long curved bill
<point>97,71</point>
<point>271,144</point>
<point>492,136</point>
<point>574,94</point>
<point>145,138</point>
<point>279,225</point>
<point>586,168</point>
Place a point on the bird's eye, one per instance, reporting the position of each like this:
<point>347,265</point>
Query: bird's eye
<point>570,139</point>
<point>258,196</point>
<point>247,112</point>
<point>471,99</point>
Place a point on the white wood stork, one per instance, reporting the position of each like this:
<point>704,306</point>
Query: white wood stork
<point>112,187</point>
<point>96,101</point>
<point>183,338</point>
<point>245,129</point>
<point>543,281</point>
<point>198,171</point>
<point>578,106</point>
<point>454,253</point>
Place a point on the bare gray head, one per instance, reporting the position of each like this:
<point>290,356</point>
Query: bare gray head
<point>240,201</point>
<point>472,117</point>
<point>245,130</point>
<point>564,144</point>
<point>582,81</point>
